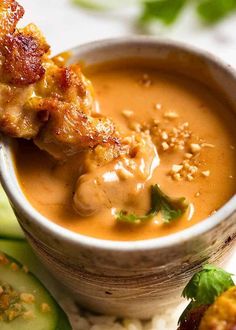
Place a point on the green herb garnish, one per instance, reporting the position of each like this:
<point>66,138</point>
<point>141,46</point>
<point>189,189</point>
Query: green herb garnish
<point>166,11</point>
<point>212,11</point>
<point>170,208</point>
<point>205,286</point>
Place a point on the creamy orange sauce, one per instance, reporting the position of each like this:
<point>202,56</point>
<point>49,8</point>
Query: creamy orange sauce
<point>148,95</point>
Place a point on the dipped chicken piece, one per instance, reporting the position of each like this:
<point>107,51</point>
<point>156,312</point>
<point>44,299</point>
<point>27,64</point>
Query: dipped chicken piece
<point>40,98</point>
<point>100,187</point>
<point>53,104</point>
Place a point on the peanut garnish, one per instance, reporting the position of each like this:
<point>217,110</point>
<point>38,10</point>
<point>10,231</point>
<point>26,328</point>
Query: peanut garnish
<point>171,115</point>
<point>14,266</point>
<point>45,308</point>
<point>29,315</point>
<point>27,298</point>
<point>157,106</point>
<point>195,147</point>
<point>176,168</point>
<point>127,113</point>
<point>206,173</point>
<point>165,146</point>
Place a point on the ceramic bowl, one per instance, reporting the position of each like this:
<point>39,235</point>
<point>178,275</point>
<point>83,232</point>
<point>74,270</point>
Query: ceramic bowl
<point>134,279</point>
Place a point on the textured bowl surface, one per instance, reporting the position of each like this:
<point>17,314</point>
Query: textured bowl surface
<point>132,279</point>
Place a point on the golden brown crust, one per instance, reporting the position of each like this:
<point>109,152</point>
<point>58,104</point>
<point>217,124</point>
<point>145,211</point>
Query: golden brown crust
<point>70,78</point>
<point>10,14</point>
<point>58,112</point>
<point>69,131</point>
<point>22,59</point>
<point>16,119</point>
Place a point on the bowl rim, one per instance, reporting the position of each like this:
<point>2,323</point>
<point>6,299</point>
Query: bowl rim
<point>20,201</point>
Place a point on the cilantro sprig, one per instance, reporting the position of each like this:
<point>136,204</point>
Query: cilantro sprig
<point>170,208</point>
<point>205,286</point>
<point>212,11</point>
<point>167,11</point>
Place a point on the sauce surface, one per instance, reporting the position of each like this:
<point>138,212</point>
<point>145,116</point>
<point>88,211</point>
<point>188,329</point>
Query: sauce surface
<point>191,128</point>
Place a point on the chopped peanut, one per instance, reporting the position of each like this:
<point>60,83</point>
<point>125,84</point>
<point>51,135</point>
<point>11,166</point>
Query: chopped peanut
<point>165,146</point>
<point>189,177</point>
<point>3,259</point>
<point>45,308</point>
<point>206,173</point>
<point>157,106</point>
<point>176,168</point>
<point>164,135</point>
<point>171,115</point>
<point>127,113</point>
<point>188,155</point>
<point>29,315</point>
<point>195,147</point>
<point>27,298</point>
<point>14,266</point>
<point>177,177</point>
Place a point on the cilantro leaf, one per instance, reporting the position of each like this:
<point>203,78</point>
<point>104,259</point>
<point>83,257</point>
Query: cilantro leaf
<point>208,284</point>
<point>211,11</point>
<point>166,11</point>
<point>170,208</point>
<point>123,216</point>
<point>205,286</point>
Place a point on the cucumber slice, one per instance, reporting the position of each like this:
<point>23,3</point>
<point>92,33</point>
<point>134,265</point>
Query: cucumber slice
<point>24,302</point>
<point>9,226</point>
<point>21,251</point>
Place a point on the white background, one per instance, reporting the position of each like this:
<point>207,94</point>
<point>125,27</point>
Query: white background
<point>66,26</point>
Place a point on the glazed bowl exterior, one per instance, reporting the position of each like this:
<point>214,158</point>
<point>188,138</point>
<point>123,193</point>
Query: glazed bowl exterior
<point>138,278</point>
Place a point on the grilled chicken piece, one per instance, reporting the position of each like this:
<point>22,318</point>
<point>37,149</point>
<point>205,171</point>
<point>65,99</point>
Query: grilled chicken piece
<point>40,98</point>
<point>69,130</point>
<point>100,187</point>
<point>222,314</point>
<point>43,100</point>
<point>21,66</point>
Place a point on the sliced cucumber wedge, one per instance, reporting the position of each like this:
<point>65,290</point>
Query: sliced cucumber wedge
<point>25,303</point>
<point>21,251</point>
<point>9,226</point>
